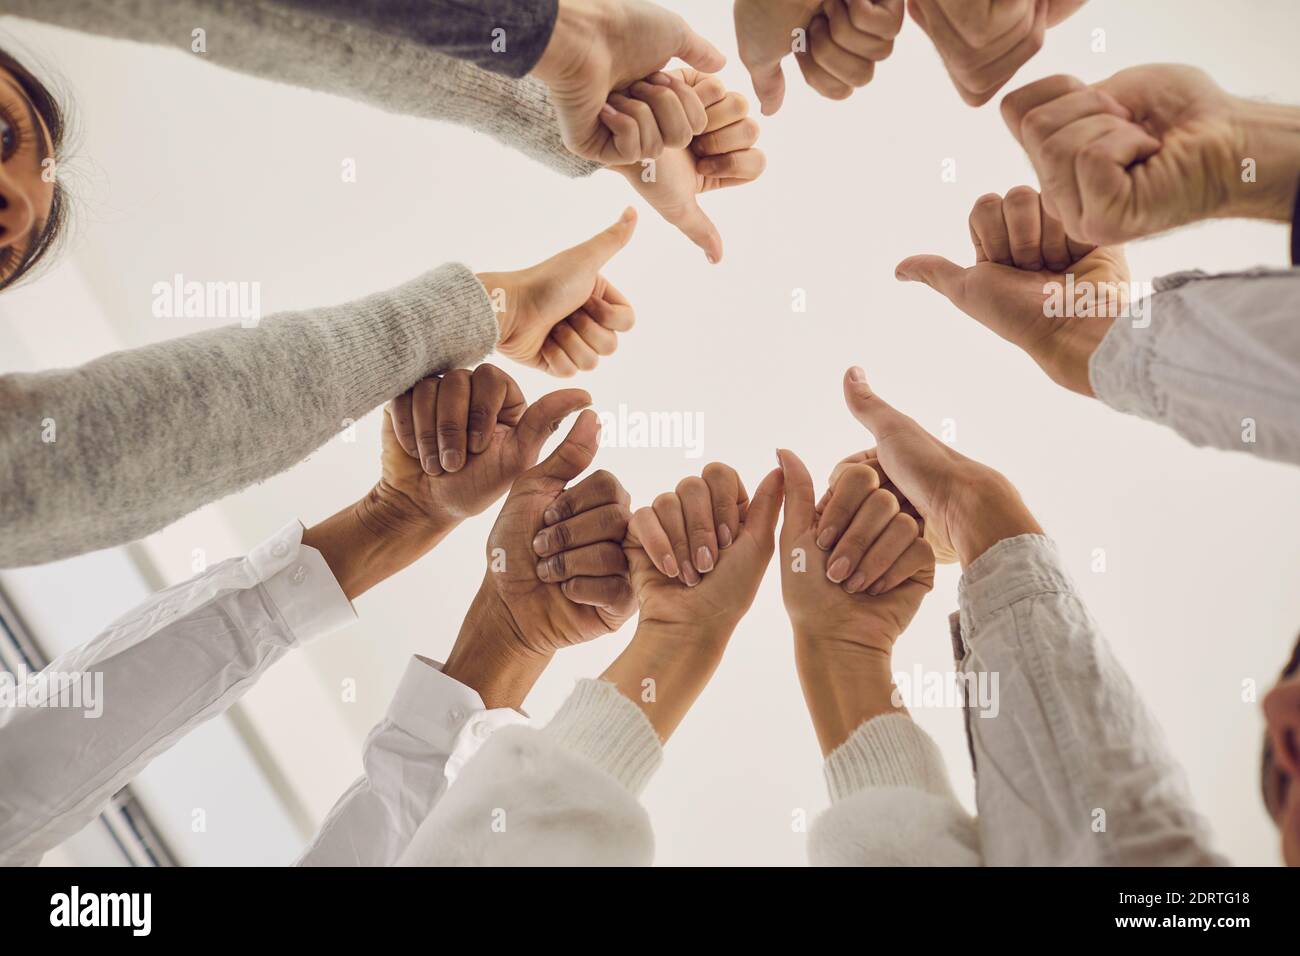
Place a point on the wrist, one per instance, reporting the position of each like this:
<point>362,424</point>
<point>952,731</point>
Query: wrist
<point>500,289</point>
<point>1069,357</point>
<point>491,657</point>
<point>577,25</point>
<point>844,685</point>
<point>664,669</point>
<point>370,541</point>
<point>1268,135</point>
<point>988,509</point>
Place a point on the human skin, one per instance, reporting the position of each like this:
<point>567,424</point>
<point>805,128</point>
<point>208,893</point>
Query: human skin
<point>562,315</point>
<point>1153,148</point>
<point>722,155</point>
<point>983,43</point>
<point>1022,253</point>
<point>843,41</point>
<point>1282,781</point>
<point>409,511</point>
<point>967,507</point>
<point>26,183</point>
<point>844,637</point>
<point>538,595</point>
<point>683,629</point>
<point>599,47</point>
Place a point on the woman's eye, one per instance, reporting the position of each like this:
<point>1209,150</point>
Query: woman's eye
<point>8,140</point>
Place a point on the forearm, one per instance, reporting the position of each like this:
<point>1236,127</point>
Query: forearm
<point>1215,358</point>
<point>664,670</point>
<point>844,685</point>
<point>275,41</point>
<point>126,444</point>
<point>491,657</point>
<point>1270,141</point>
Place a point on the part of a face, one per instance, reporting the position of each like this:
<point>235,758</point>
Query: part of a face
<point>1282,700</point>
<point>26,174</point>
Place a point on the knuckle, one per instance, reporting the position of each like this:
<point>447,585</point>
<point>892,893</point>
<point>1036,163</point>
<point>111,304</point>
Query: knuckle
<point>885,501</point>
<point>716,471</point>
<point>699,529</point>
<point>562,534</point>
<point>450,430</point>
<point>1056,150</point>
<point>665,500</point>
<point>855,542</point>
<point>604,483</point>
<point>691,483</point>
<point>906,523</point>
<point>1036,124</point>
<point>1022,196</point>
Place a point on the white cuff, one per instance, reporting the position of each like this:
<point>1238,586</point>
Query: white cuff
<point>446,714</point>
<point>601,725</point>
<point>300,584</point>
<point>887,751</point>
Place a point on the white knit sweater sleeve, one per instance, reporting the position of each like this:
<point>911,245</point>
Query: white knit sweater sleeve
<point>564,795</point>
<point>891,803</point>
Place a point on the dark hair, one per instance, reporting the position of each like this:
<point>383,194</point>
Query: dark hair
<point>1269,762</point>
<point>48,107</point>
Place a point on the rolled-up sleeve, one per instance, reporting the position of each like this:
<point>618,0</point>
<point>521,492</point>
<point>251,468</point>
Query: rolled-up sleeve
<point>1070,767</point>
<point>1215,358</point>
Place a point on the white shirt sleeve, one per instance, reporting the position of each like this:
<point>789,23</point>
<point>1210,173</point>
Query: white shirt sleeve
<point>1070,767</point>
<point>1215,358</point>
<point>178,659</point>
<point>434,725</point>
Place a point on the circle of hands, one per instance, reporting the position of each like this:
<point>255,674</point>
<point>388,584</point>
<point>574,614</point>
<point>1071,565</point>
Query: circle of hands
<point>569,560</point>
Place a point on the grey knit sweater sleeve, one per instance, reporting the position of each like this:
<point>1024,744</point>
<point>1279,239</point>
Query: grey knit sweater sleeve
<point>331,46</point>
<point>505,36</point>
<point>105,453</point>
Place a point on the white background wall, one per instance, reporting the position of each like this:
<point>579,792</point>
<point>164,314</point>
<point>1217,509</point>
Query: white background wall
<point>186,169</point>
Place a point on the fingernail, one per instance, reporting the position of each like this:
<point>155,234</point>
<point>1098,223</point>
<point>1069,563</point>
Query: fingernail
<point>659,79</point>
<point>607,110</point>
<point>875,589</point>
<point>856,374</point>
<point>779,463</point>
<point>855,583</point>
<point>550,516</point>
<point>539,542</point>
<point>838,570</point>
<point>670,565</point>
<point>475,438</point>
<point>826,538</point>
<point>724,536</point>
<point>431,465</point>
<point>703,560</point>
<point>452,460</point>
<point>544,569</point>
<point>690,576</point>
